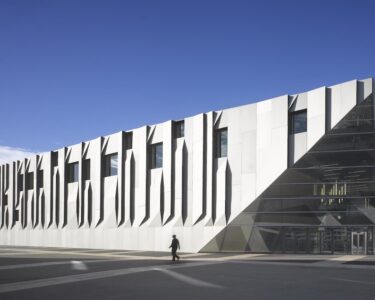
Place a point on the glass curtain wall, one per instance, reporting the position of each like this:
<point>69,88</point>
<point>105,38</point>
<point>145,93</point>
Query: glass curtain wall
<point>323,204</point>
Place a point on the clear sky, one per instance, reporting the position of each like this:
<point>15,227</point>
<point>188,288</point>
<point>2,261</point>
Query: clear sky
<point>71,71</point>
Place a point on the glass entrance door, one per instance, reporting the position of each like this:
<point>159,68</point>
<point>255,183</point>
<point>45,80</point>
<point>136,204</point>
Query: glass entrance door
<point>359,242</point>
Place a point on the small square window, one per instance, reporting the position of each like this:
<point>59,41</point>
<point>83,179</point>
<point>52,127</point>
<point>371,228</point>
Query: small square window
<point>72,172</point>
<point>156,156</point>
<point>222,142</point>
<point>29,181</point>
<point>179,129</point>
<point>128,140</point>
<point>298,121</point>
<point>110,164</point>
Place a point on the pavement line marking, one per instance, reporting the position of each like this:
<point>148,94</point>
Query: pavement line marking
<point>59,250</point>
<point>87,250</point>
<point>117,255</point>
<point>105,251</point>
<point>78,265</point>
<point>241,256</point>
<point>310,265</point>
<point>14,249</point>
<point>54,263</point>
<point>354,281</point>
<point>21,253</point>
<point>283,258</point>
<point>347,258</point>
<point>188,279</point>
<point>222,258</point>
<point>110,253</point>
<point>32,249</point>
<point>30,284</point>
<point>128,255</point>
<point>194,254</point>
<point>36,252</point>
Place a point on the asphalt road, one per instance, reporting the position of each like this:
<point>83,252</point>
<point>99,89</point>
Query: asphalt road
<point>31,273</point>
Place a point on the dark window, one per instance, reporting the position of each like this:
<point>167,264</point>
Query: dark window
<point>110,164</point>
<point>222,142</point>
<point>5,200</point>
<point>128,140</point>
<point>54,158</point>
<point>72,172</point>
<point>298,121</point>
<point>29,181</point>
<point>40,178</point>
<point>16,215</point>
<point>86,168</point>
<point>179,129</point>
<point>20,182</point>
<point>156,156</point>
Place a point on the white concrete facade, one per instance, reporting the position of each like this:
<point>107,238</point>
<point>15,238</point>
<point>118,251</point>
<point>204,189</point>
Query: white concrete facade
<point>195,193</point>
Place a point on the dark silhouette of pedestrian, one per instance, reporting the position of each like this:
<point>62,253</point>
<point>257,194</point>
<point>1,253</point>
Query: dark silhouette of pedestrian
<point>174,245</point>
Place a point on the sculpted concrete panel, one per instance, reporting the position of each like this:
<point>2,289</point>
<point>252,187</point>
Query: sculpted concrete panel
<point>194,193</point>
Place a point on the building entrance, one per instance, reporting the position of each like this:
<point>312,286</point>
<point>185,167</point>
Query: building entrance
<point>342,240</point>
<point>359,243</point>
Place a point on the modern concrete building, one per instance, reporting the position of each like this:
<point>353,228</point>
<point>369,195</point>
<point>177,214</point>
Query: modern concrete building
<point>291,174</point>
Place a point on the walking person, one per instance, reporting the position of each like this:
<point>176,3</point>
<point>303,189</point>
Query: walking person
<point>174,245</point>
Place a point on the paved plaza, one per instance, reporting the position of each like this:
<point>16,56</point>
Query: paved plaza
<point>60,273</point>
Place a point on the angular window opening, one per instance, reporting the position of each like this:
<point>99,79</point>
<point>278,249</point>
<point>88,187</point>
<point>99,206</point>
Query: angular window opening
<point>156,156</point>
<point>110,164</point>
<point>298,121</point>
<point>29,181</point>
<point>179,129</point>
<point>72,172</point>
<point>222,142</point>
<point>40,178</point>
<point>86,169</point>
<point>128,140</point>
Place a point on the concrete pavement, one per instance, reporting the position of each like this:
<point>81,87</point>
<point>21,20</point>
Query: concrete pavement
<point>44,273</point>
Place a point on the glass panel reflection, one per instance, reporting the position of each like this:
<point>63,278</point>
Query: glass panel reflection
<point>316,205</point>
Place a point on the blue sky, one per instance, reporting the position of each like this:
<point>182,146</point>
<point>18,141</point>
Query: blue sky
<point>73,70</point>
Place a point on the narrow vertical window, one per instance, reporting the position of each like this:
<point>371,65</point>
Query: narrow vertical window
<point>110,164</point>
<point>54,158</point>
<point>128,140</point>
<point>29,181</point>
<point>156,156</point>
<point>222,142</point>
<point>16,215</point>
<point>20,182</point>
<point>5,200</point>
<point>86,169</point>
<point>72,172</point>
<point>40,178</point>
<point>179,129</point>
